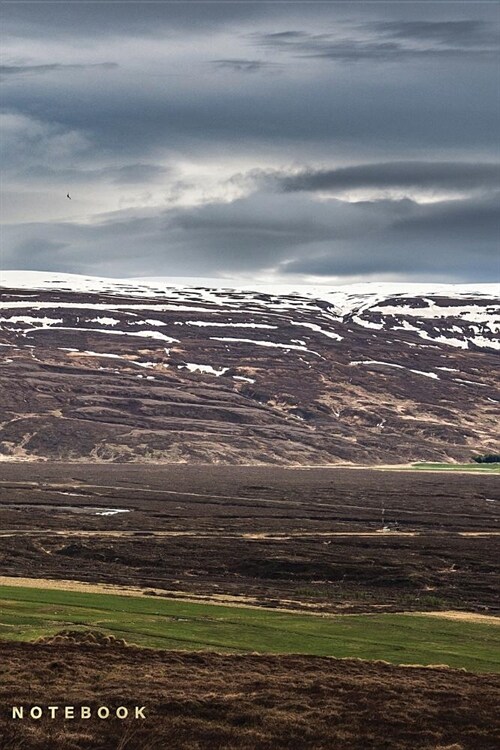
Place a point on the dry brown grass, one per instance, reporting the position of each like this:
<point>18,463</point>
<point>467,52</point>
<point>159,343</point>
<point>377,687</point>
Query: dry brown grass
<point>202,701</point>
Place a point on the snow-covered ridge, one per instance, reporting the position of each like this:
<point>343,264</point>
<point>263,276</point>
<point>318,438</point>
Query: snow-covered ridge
<point>463,316</point>
<point>345,298</point>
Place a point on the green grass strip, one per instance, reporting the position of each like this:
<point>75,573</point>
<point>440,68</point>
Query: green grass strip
<point>27,613</point>
<point>486,468</point>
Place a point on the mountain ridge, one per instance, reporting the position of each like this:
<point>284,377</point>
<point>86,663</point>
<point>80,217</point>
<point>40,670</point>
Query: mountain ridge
<point>141,370</point>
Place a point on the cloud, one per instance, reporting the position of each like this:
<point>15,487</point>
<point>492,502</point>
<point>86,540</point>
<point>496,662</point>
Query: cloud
<point>390,41</point>
<point>28,141</point>
<point>465,231</point>
<point>136,173</point>
<point>8,71</point>
<point>402,175</point>
<point>452,33</point>
<point>128,174</point>
<point>245,66</point>
<point>182,166</point>
<point>36,247</point>
<point>471,223</point>
<point>283,233</point>
<point>74,18</point>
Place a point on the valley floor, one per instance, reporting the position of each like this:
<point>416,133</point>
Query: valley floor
<point>300,565</point>
<point>322,539</point>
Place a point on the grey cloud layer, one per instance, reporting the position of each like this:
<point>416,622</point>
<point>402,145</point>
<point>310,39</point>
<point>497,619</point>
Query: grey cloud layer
<point>269,231</point>
<point>392,41</point>
<point>250,121</point>
<point>451,176</point>
<point>23,70</point>
<point>245,66</point>
<point>461,33</point>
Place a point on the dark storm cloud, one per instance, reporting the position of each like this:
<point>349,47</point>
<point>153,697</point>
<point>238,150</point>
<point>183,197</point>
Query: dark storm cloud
<point>288,232</point>
<point>473,221</point>
<point>77,18</point>
<point>467,233</point>
<point>463,33</point>
<point>391,41</point>
<point>7,71</point>
<point>244,66</point>
<point>454,176</point>
<point>136,117</point>
<point>428,123</point>
<point>139,112</point>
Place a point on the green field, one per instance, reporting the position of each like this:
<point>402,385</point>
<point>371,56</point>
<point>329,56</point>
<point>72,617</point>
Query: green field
<point>489,468</point>
<point>27,613</point>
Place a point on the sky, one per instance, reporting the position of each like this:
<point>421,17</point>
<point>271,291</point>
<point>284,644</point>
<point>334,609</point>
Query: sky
<point>300,142</point>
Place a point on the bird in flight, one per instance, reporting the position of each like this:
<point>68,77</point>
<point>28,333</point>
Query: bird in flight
<point>68,196</point>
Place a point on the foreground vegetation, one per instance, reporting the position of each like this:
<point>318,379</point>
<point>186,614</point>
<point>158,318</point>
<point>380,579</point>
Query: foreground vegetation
<point>210,701</point>
<point>29,613</point>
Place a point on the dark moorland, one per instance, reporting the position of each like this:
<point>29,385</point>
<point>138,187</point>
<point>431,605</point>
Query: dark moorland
<point>295,538</point>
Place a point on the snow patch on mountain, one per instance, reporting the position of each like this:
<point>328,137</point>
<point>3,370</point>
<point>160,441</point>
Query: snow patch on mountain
<point>393,364</point>
<point>463,316</point>
<point>204,369</point>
